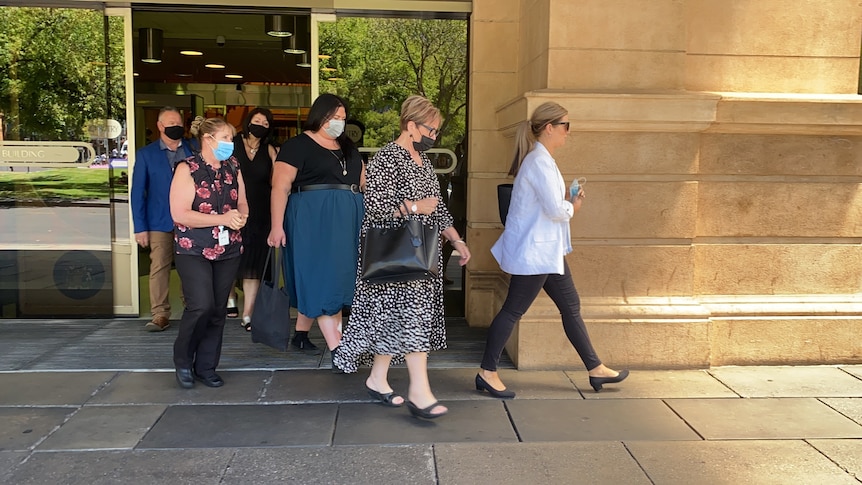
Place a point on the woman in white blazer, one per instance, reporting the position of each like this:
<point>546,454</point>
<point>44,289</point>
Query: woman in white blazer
<point>533,246</point>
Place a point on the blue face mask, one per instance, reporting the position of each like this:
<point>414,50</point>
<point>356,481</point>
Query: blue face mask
<point>224,150</point>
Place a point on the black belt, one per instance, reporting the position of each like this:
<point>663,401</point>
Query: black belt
<point>307,188</point>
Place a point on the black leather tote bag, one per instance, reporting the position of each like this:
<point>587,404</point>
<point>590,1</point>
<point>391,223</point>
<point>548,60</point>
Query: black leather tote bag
<point>271,321</point>
<point>407,252</point>
<point>504,197</point>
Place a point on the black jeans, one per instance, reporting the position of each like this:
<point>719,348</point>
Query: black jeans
<point>523,290</point>
<point>206,286</point>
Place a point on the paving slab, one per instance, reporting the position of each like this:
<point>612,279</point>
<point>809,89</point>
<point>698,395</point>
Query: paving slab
<point>382,465</point>
<point>104,427</point>
<point>162,388</point>
<point>724,462</point>
<point>645,384</point>
<point>319,385</point>
<point>608,420</point>
<point>789,381</point>
<point>850,407</point>
<point>231,426</point>
<point>24,427</point>
<point>9,460</point>
<point>50,388</point>
<point>855,370</point>
<point>747,419</point>
<point>528,463</point>
<point>846,453</point>
<point>154,467</point>
<point>467,421</point>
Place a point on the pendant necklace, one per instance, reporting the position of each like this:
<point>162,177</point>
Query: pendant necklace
<point>251,149</point>
<point>341,161</point>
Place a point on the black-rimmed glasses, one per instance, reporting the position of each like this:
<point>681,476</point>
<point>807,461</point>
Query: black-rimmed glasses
<point>564,123</point>
<point>432,132</point>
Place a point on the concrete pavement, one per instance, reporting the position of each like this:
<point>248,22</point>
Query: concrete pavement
<point>273,425</point>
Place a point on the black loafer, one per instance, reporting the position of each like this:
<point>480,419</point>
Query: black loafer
<point>212,380</point>
<point>185,378</point>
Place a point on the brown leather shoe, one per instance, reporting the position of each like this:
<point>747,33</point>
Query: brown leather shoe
<point>158,324</point>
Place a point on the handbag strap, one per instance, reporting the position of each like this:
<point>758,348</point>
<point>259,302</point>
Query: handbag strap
<point>271,256</point>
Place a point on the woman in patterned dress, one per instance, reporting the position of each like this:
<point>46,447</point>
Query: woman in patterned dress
<point>391,321</point>
<point>209,208</point>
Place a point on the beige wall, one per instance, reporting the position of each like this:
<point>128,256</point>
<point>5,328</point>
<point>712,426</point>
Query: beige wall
<point>721,142</point>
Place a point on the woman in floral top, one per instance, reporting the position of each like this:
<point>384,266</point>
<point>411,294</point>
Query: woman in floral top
<point>209,208</point>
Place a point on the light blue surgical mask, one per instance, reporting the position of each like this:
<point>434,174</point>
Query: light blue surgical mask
<point>224,150</point>
<point>335,128</point>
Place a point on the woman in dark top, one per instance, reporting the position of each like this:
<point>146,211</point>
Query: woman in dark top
<point>209,208</point>
<point>318,225</point>
<point>255,156</point>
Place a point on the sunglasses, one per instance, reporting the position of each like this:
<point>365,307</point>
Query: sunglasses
<point>564,123</point>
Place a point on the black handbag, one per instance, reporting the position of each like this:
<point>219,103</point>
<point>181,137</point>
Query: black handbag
<point>271,319</point>
<point>407,252</point>
<point>504,197</point>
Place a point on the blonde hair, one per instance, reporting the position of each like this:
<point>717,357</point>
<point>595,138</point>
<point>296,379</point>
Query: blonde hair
<point>418,110</point>
<point>529,131</point>
<point>207,126</point>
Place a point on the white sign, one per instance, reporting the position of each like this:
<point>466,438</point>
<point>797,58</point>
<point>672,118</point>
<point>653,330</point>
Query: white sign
<point>108,129</point>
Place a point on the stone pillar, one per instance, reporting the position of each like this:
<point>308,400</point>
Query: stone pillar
<point>720,141</point>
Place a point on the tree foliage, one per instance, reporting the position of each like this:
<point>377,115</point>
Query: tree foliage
<point>53,71</point>
<point>379,62</point>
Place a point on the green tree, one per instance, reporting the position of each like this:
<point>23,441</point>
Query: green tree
<point>54,72</point>
<point>379,62</point>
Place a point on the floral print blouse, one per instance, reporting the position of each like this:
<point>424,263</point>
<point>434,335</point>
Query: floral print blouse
<point>216,192</point>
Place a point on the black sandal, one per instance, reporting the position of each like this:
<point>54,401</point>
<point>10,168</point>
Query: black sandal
<point>385,399</point>
<point>426,412</point>
<point>246,324</point>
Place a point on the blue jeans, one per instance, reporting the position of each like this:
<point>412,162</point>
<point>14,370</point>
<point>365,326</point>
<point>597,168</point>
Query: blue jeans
<point>523,290</point>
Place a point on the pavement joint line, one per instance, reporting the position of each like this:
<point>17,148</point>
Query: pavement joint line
<point>709,372</point>
<point>634,458</point>
<point>692,428</point>
<point>512,421</point>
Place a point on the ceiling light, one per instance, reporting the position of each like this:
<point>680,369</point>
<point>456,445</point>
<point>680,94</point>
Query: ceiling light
<point>336,79</point>
<point>233,76</point>
<point>328,69</point>
<point>214,66</point>
<point>150,45</point>
<point>324,56</point>
<point>304,62</point>
<point>184,75</point>
<point>276,25</point>
<point>191,53</point>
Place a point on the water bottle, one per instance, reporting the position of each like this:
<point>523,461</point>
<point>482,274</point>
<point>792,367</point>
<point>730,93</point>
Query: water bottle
<point>575,187</point>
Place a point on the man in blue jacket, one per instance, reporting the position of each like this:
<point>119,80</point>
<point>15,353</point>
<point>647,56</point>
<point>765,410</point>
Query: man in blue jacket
<point>151,212</point>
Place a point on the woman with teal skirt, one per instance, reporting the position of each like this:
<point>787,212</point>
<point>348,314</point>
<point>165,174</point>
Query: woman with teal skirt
<point>317,210</point>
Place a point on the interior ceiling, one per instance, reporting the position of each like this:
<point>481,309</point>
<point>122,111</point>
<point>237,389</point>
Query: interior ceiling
<point>247,49</point>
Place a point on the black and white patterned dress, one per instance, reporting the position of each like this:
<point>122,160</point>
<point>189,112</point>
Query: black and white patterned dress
<point>395,318</point>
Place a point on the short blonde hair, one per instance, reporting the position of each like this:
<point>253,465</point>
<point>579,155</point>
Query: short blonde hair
<point>418,110</point>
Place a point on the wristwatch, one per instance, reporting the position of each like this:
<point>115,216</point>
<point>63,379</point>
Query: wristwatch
<point>413,208</point>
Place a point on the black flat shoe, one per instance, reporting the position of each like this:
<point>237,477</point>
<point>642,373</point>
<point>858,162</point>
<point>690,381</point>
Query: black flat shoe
<point>385,399</point>
<point>425,412</point>
<point>597,382</point>
<point>185,378</point>
<point>212,380</point>
<point>305,346</point>
<point>482,385</point>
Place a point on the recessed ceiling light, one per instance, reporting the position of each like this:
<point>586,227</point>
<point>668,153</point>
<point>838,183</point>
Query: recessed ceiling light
<point>214,66</point>
<point>233,76</point>
<point>191,53</point>
<point>336,79</point>
<point>135,74</point>
<point>324,56</point>
<point>327,69</point>
<point>184,75</point>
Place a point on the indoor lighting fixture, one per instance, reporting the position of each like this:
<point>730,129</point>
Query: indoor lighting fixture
<point>328,69</point>
<point>191,53</point>
<point>276,26</point>
<point>324,56</point>
<point>333,79</point>
<point>233,76</point>
<point>150,45</point>
<point>294,45</point>
<point>214,66</point>
<point>304,62</point>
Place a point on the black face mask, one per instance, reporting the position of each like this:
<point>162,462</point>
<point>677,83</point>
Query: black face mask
<point>174,132</point>
<point>424,145</point>
<point>258,131</point>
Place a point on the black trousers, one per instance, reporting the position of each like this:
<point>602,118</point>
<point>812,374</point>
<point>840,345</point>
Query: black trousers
<point>523,290</point>
<point>206,286</point>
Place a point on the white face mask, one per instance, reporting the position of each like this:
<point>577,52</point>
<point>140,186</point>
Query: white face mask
<point>335,128</point>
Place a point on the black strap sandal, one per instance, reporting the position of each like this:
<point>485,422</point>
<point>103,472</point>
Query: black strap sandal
<point>246,323</point>
<point>387,399</point>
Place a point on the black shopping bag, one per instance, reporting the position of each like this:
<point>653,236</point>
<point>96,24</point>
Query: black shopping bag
<point>271,320</point>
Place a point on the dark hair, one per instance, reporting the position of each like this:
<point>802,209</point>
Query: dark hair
<point>324,108</point>
<point>270,138</point>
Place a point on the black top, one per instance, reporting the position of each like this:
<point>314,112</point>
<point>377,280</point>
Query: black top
<point>318,165</point>
<point>256,174</point>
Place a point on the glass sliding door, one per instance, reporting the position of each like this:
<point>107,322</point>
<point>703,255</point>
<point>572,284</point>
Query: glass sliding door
<point>63,172</point>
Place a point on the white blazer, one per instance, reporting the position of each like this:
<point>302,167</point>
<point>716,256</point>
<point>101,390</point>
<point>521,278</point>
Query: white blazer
<point>537,234</point>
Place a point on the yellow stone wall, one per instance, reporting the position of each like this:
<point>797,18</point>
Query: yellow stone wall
<point>721,143</point>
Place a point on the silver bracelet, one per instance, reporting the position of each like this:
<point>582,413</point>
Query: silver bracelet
<point>459,241</point>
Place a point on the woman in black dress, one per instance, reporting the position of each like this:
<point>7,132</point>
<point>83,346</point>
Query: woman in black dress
<point>255,154</point>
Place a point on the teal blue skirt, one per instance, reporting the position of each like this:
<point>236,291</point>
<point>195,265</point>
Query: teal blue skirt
<point>322,251</point>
